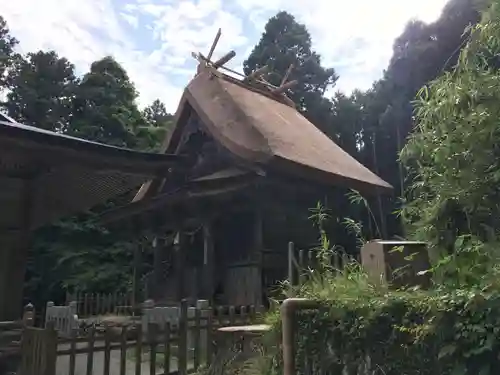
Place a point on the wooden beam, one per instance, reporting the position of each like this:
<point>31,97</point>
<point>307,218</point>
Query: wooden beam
<point>287,74</point>
<point>224,59</point>
<point>284,87</point>
<point>214,44</point>
<point>257,73</point>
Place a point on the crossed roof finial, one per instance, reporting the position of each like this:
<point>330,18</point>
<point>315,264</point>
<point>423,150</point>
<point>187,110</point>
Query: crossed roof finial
<point>255,79</point>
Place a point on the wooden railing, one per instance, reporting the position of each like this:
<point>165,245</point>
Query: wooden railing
<point>181,348</point>
<point>93,304</point>
<point>10,340</point>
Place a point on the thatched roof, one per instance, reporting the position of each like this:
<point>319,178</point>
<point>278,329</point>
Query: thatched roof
<point>263,129</point>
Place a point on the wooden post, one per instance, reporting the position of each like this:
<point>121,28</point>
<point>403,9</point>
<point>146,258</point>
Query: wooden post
<point>137,275</point>
<point>123,350</point>
<point>14,256</point>
<point>158,250</point>
<point>48,307</point>
<point>51,349</point>
<point>258,254</point>
<point>138,351</point>
<point>183,338</point>
<point>291,264</point>
<point>166,349</point>
<point>152,334</point>
<point>29,315</point>
<point>72,355</point>
<point>90,353</point>
<point>208,262</point>
<point>180,264</point>
<point>197,338</point>
<point>107,350</point>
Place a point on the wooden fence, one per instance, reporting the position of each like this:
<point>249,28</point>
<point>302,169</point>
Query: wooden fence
<point>64,318</point>
<point>92,304</point>
<point>302,260</point>
<point>127,349</point>
<point>10,340</point>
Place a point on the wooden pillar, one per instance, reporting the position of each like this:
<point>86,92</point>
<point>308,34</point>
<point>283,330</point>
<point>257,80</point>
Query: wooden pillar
<point>137,275</point>
<point>15,256</point>
<point>158,248</point>
<point>8,251</point>
<point>180,264</point>
<point>208,262</point>
<point>258,247</point>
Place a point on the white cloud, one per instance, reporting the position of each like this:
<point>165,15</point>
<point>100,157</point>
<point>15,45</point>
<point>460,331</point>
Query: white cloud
<point>84,31</point>
<point>154,39</point>
<point>130,19</point>
<point>335,26</point>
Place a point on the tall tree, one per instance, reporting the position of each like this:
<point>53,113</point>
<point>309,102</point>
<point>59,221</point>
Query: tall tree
<point>157,115</point>
<point>454,154</point>
<point>104,108</point>
<point>7,52</point>
<point>41,91</point>
<point>286,42</point>
<point>421,53</point>
<point>158,123</point>
<point>74,253</point>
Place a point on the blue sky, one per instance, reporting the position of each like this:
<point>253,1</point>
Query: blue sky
<point>153,39</point>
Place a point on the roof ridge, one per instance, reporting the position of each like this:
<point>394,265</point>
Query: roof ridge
<point>249,85</point>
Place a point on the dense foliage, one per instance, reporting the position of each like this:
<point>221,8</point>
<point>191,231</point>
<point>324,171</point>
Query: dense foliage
<point>454,154</point>
<point>362,328</point>
<point>452,159</point>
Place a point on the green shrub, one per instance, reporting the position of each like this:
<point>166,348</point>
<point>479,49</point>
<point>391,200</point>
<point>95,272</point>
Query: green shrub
<point>361,326</point>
